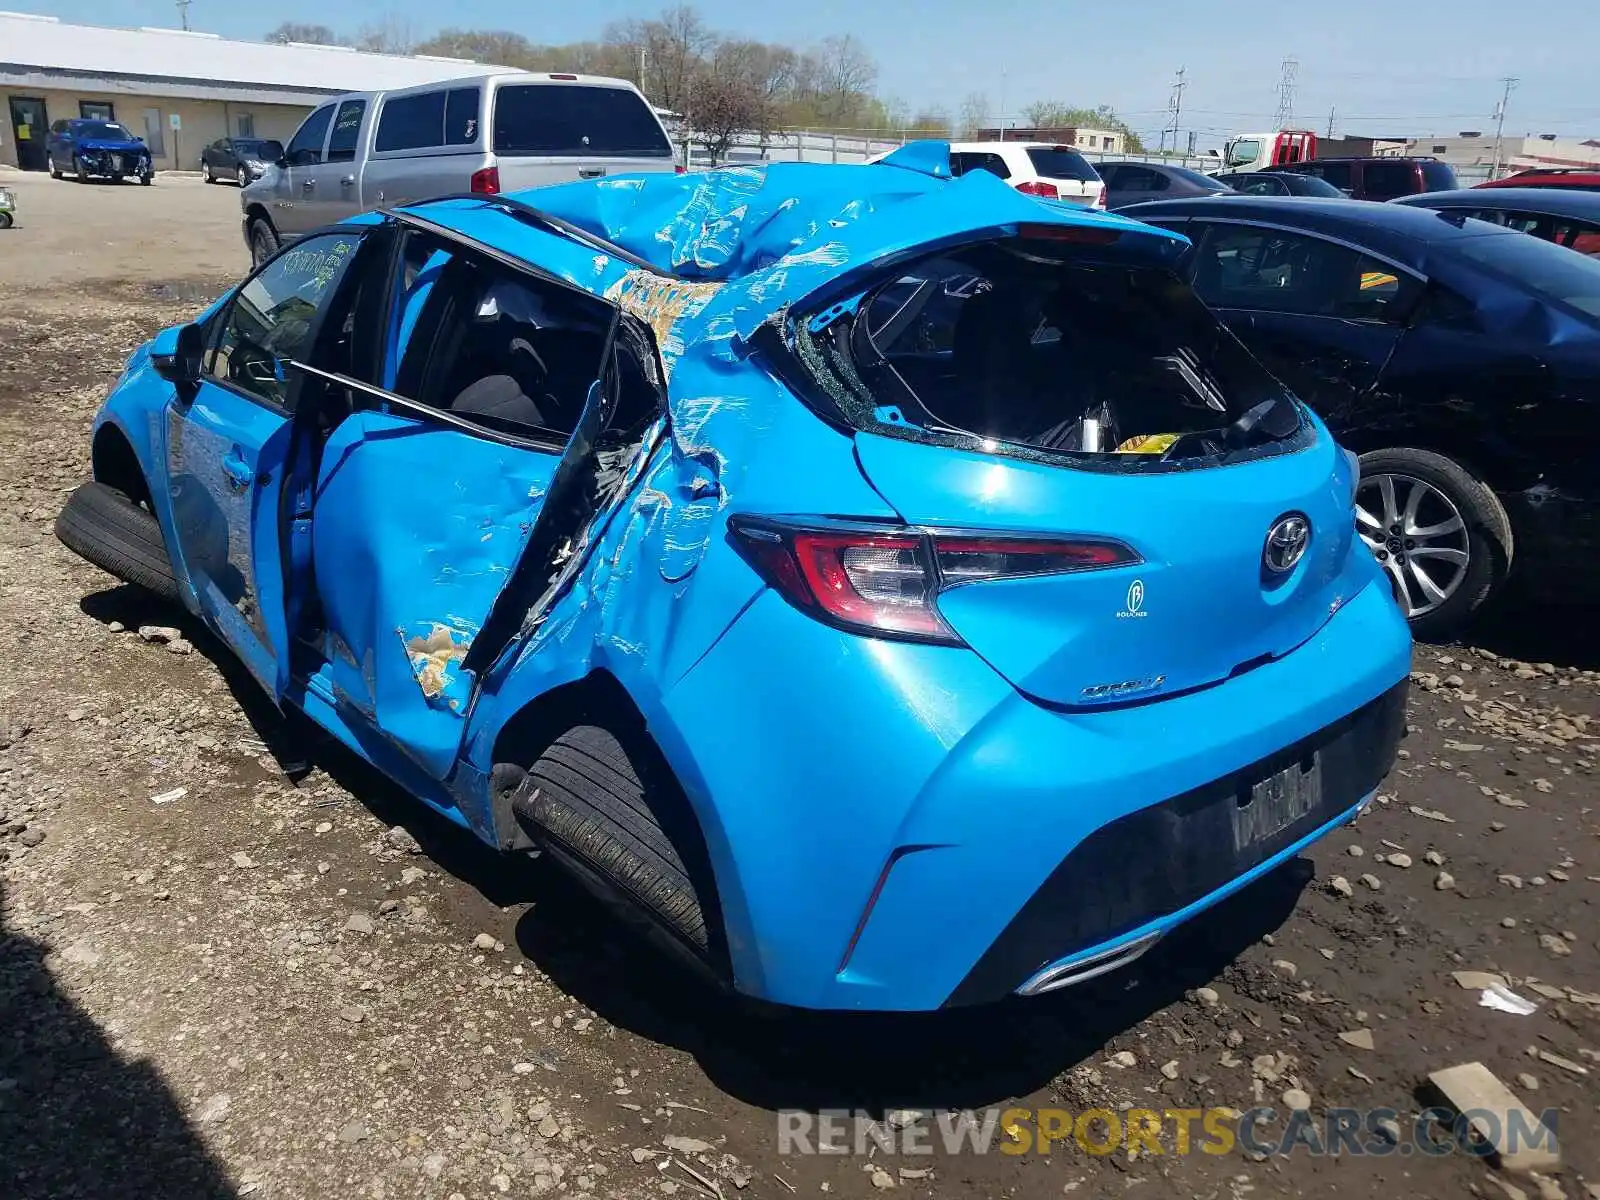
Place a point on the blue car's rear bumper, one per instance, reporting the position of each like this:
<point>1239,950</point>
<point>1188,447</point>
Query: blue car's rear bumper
<point>894,827</point>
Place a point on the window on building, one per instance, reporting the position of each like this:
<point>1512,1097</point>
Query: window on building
<point>96,110</point>
<point>1111,143</point>
<point>246,125</point>
<point>1441,149</point>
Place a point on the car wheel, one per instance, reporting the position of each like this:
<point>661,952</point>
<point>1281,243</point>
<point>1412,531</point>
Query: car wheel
<point>205,172</point>
<point>1438,531</point>
<point>55,171</point>
<point>263,242</point>
<point>5,220</point>
<point>104,526</point>
<point>77,168</point>
<point>243,177</point>
<point>147,178</point>
<point>610,810</point>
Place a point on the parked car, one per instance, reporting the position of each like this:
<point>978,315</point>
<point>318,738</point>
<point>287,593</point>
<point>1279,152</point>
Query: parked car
<point>94,147</point>
<point>486,134</point>
<point>1378,178</point>
<point>1567,218</point>
<point>1037,168</point>
<point>1575,178</point>
<point>1459,358</point>
<point>1135,182</point>
<point>242,160</point>
<point>651,528</point>
<point>1278,183</point>
<point>8,208</point>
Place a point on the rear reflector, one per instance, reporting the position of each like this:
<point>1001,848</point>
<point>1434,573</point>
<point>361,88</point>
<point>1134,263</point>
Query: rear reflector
<point>1037,187</point>
<point>885,581</point>
<point>487,181</point>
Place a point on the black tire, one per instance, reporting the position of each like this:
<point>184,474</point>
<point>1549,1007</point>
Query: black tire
<point>147,180</point>
<point>55,171</point>
<point>5,220</point>
<point>1490,543</point>
<point>242,177</point>
<point>264,241</point>
<point>104,526</point>
<point>205,173</point>
<point>615,815</point>
<point>78,171</point>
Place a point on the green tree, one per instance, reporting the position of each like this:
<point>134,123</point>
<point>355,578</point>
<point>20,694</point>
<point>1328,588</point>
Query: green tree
<point>1051,114</point>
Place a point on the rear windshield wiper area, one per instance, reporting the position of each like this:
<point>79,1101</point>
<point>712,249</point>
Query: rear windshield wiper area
<point>1101,363</point>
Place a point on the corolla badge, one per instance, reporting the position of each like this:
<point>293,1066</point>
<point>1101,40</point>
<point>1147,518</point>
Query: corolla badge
<point>1286,543</point>
<point>1133,608</point>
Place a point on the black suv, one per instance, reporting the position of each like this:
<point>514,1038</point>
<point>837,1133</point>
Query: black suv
<point>1378,178</point>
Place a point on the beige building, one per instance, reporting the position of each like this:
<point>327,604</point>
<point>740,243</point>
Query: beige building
<point>178,90</point>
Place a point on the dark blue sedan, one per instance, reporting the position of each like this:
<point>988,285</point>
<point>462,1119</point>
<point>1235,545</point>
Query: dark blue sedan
<point>85,147</point>
<point>1458,357</point>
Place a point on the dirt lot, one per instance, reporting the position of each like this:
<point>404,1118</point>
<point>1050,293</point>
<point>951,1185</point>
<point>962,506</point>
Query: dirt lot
<point>223,974</point>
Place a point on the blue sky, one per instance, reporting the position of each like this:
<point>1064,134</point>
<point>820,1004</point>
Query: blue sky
<point>1390,66</point>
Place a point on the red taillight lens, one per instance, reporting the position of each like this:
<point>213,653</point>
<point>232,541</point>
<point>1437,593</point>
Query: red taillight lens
<point>1037,187</point>
<point>886,582</point>
<point>680,169</point>
<point>1100,199</point>
<point>486,181</point>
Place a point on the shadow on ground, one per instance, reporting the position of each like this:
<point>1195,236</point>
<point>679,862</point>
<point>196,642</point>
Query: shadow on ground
<point>1566,635</point>
<point>76,1118</point>
<point>771,1058</point>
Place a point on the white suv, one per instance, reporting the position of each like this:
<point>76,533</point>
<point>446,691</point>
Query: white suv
<point>1037,168</point>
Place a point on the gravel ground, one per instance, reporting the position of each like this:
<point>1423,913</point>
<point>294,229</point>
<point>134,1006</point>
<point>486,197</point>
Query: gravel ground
<point>233,964</point>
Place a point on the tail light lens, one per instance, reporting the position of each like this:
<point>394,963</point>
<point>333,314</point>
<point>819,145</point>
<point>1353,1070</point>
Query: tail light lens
<point>885,581</point>
<point>680,169</point>
<point>486,181</point>
<point>1037,187</point>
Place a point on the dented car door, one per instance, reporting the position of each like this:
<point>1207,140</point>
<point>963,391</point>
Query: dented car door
<point>473,459</point>
<point>229,441</point>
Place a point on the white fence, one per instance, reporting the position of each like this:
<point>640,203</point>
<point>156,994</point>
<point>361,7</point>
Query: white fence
<point>819,147</point>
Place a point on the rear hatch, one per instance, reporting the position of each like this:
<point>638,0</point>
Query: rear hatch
<point>1059,393</point>
<point>560,129</point>
<point>1072,176</point>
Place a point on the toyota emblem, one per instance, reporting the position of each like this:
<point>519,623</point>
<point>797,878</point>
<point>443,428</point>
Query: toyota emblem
<point>1286,543</point>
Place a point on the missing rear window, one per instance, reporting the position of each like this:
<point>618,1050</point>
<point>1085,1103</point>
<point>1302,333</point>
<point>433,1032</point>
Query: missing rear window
<point>1013,346</point>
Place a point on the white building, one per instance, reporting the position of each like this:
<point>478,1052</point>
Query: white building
<point>1472,153</point>
<point>178,90</point>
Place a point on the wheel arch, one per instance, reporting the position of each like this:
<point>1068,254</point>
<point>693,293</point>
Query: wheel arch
<point>113,461</point>
<point>600,698</point>
<point>1496,466</point>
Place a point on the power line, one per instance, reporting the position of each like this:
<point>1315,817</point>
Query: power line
<point>1286,82</point>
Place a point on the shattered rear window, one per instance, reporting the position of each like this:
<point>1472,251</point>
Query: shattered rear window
<point>1006,345</point>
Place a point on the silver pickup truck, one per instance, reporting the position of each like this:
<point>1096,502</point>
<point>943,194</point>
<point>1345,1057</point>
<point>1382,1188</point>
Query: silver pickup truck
<point>489,133</point>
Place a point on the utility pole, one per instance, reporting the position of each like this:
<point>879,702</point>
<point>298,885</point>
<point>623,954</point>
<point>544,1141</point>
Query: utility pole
<point>1510,82</point>
<point>1174,110</point>
<point>1286,84</point>
<point>641,66</point>
<point>183,13</point>
<point>1002,117</point>
<point>1331,112</point>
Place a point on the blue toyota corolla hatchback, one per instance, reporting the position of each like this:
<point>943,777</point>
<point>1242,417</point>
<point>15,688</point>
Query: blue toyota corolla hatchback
<point>895,591</point>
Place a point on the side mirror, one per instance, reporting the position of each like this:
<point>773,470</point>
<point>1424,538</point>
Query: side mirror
<point>281,162</point>
<point>176,354</point>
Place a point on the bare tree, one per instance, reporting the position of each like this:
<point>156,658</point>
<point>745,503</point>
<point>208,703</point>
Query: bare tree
<point>676,45</point>
<point>736,94</point>
<point>499,47</point>
<point>931,123</point>
<point>391,34</point>
<point>974,113</point>
<point>295,31</point>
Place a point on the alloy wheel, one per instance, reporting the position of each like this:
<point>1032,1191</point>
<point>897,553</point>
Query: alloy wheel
<point>1416,532</point>
<point>244,177</point>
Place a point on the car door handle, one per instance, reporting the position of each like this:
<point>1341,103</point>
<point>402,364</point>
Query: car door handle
<point>348,181</point>
<point>236,470</point>
<point>590,172</point>
<point>307,185</point>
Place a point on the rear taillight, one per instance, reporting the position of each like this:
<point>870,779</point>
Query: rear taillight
<point>486,181</point>
<point>885,581</point>
<point>680,169</point>
<point>1099,199</point>
<point>1038,187</point>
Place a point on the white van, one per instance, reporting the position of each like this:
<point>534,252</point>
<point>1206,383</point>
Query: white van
<point>489,133</point>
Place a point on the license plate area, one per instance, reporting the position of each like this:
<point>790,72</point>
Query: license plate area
<point>1266,808</point>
